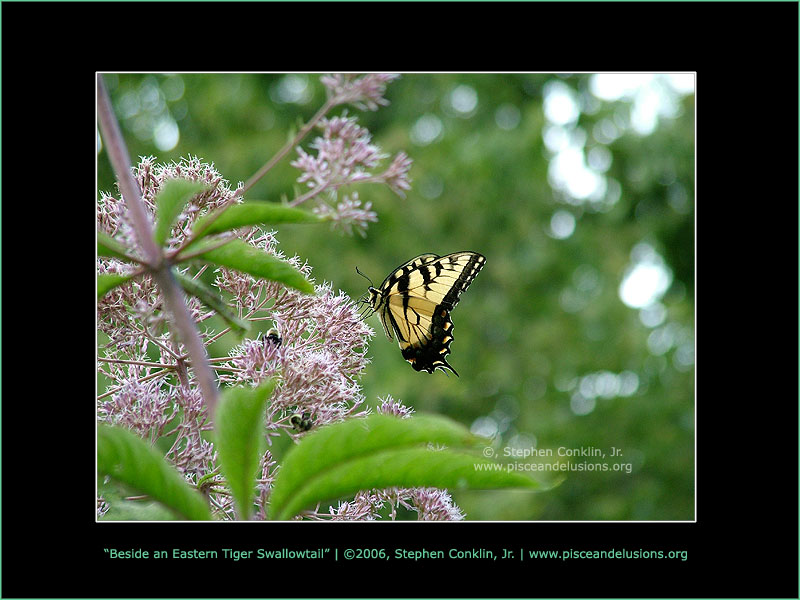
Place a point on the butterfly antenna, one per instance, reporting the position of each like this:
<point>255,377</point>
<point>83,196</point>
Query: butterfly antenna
<point>365,277</point>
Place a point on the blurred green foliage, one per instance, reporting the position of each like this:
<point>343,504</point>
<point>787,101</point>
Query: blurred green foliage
<point>549,355</point>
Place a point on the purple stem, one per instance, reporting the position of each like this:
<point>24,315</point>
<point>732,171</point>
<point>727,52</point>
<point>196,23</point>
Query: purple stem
<point>157,266</point>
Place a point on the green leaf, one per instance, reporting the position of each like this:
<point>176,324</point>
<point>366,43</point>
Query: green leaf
<point>108,246</point>
<point>241,256</point>
<point>127,458</point>
<point>212,299</point>
<point>122,509</point>
<point>134,510</point>
<point>170,201</point>
<point>108,281</point>
<point>252,213</point>
<point>240,440</point>
<point>383,451</point>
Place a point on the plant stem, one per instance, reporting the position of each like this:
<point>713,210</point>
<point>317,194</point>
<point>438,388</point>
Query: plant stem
<point>161,272</point>
<point>131,362</point>
<point>120,161</point>
<point>329,103</point>
<point>310,194</point>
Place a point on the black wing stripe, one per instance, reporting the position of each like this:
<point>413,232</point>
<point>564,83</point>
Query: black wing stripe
<point>426,277</point>
<point>396,327</point>
<point>468,273</point>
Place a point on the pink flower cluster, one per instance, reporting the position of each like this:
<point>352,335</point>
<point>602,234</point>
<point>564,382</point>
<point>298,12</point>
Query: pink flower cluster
<point>143,394</point>
<point>111,216</point>
<point>317,351</point>
<point>349,215</point>
<point>345,155</point>
<point>364,92</point>
<point>320,357</point>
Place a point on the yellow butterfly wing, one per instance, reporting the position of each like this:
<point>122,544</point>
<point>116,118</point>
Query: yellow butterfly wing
<point>415,302</point>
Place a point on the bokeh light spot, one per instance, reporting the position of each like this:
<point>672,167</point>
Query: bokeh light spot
<point>464,100</point>
<point>647,280</point>
<point>173,87</point>
<point>599,159</point>
<point>485,427</point>
<point>560,103</point>
<point>507,116</point>
<point>615,86</point>
<point>653,315</point>
<point>291,89</point>
<point>431,186</point>
<point>628,383</point>
<point>562,224</point>
<point>166,134</point>
<point>426,130</point>
<point>581,405</point>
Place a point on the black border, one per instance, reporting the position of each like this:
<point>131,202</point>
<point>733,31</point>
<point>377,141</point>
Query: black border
<point>745,541</point>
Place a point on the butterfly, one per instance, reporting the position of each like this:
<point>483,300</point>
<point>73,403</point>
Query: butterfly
<point>415,302</point>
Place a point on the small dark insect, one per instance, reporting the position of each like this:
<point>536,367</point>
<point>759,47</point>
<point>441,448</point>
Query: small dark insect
<point>272,336</point>
<point>301,422</point>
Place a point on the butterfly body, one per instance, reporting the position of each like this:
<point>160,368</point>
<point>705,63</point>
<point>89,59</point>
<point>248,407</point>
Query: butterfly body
<point>414,302</point>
